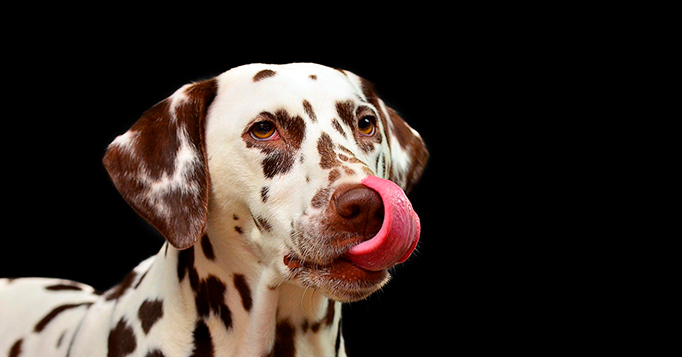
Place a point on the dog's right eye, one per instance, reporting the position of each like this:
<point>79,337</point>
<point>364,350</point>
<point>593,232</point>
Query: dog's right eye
<point>264,130</point>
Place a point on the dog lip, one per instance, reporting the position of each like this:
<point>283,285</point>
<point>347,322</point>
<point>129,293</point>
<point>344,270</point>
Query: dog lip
<point>339,268</point>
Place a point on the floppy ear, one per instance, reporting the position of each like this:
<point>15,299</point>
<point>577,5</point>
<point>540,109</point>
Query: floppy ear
<point>408,152</point>
<point>160,167</point>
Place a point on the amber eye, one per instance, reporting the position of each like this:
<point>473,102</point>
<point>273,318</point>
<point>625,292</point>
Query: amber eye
<point>366,125</point>
<point>263,130</point>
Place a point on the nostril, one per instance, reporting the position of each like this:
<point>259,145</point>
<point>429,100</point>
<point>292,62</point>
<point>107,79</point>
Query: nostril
<point>361,210</point>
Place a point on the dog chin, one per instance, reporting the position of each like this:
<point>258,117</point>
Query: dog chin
<point>339,280</point>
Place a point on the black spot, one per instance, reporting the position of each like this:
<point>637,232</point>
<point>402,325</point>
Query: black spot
<point>337,347</point>
<point>61,338</point>
<point>141,278</point>
<point>16,348</point>
<point>121,340</point>
<point>56,311</point>
<point>186,266</point>
<point>207,247</point>
<point>149,313</point>
<point>121,288</point>
<point>203,343</point>
<point>238,229</point>
<point>244,291</point>
<point>264,193</point>
<point>263,224</point>
<point>284,340</point>
<point>210,297</point>
<point>155,353</point>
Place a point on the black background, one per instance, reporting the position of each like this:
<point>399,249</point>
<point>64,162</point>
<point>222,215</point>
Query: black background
<point>471,284</point>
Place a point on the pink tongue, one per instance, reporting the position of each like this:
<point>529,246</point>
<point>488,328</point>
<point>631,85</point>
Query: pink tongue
<point>399,232</point>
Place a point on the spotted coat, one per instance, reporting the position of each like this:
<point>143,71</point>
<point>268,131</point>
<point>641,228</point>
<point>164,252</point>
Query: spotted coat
<point>242,174</point>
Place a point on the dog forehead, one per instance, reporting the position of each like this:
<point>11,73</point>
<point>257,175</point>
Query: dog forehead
<point>250,89</point>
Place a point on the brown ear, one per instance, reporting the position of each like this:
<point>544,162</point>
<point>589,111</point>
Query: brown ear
<point>160,168</point>
<point>408,158</point>
<point>408,152</point>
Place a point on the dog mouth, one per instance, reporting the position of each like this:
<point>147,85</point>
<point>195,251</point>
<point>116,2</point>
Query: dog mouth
<point>350,267</point>
<point>339,279</point>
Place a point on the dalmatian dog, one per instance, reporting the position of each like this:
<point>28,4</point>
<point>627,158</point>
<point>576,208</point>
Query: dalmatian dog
<point>280,190</point>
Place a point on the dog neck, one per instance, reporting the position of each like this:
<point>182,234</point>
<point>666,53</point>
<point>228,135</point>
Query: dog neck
<point>241,305</point>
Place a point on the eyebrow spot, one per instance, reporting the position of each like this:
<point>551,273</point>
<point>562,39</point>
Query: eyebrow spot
<point>309,110</point>
<point>266,73</point>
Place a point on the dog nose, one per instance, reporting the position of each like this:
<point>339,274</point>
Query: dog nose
<point>360,209</point>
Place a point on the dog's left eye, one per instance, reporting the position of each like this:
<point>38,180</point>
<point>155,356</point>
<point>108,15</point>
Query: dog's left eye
<point>366,125</point>
<point>264,130</point>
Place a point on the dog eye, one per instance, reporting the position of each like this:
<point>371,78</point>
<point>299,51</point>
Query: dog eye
<point>366,125</point>
<point>264,130</point>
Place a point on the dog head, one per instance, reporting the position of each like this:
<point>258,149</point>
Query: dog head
<point>309,160</point>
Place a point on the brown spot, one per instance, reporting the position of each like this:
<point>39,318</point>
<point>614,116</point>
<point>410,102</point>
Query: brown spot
<point>266,73</point>
<point>325,148</point>
<point>244,291</point>
<point>309,110</point>
<point>351,157</point>
<point>121,340</point>
<point>331,310</point>
<point>277,163</point>
<point>321,197</point>
<point>284,340</point>
<point>149,313</point>
<point>280,154</point>
<point>348,171</point>
<point>334,175</point>
<point>203,342</point>
<point>56,311</point>
<point>313,77</point>
<point>346,111</point>
<point>336,125</point>
<point>264,194</point>
<point>62,287</point>
<point>235,217</point>
<point>207,247</point>
<point>121,288</point>
<point>16,348</point>
<point>293,127</point>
